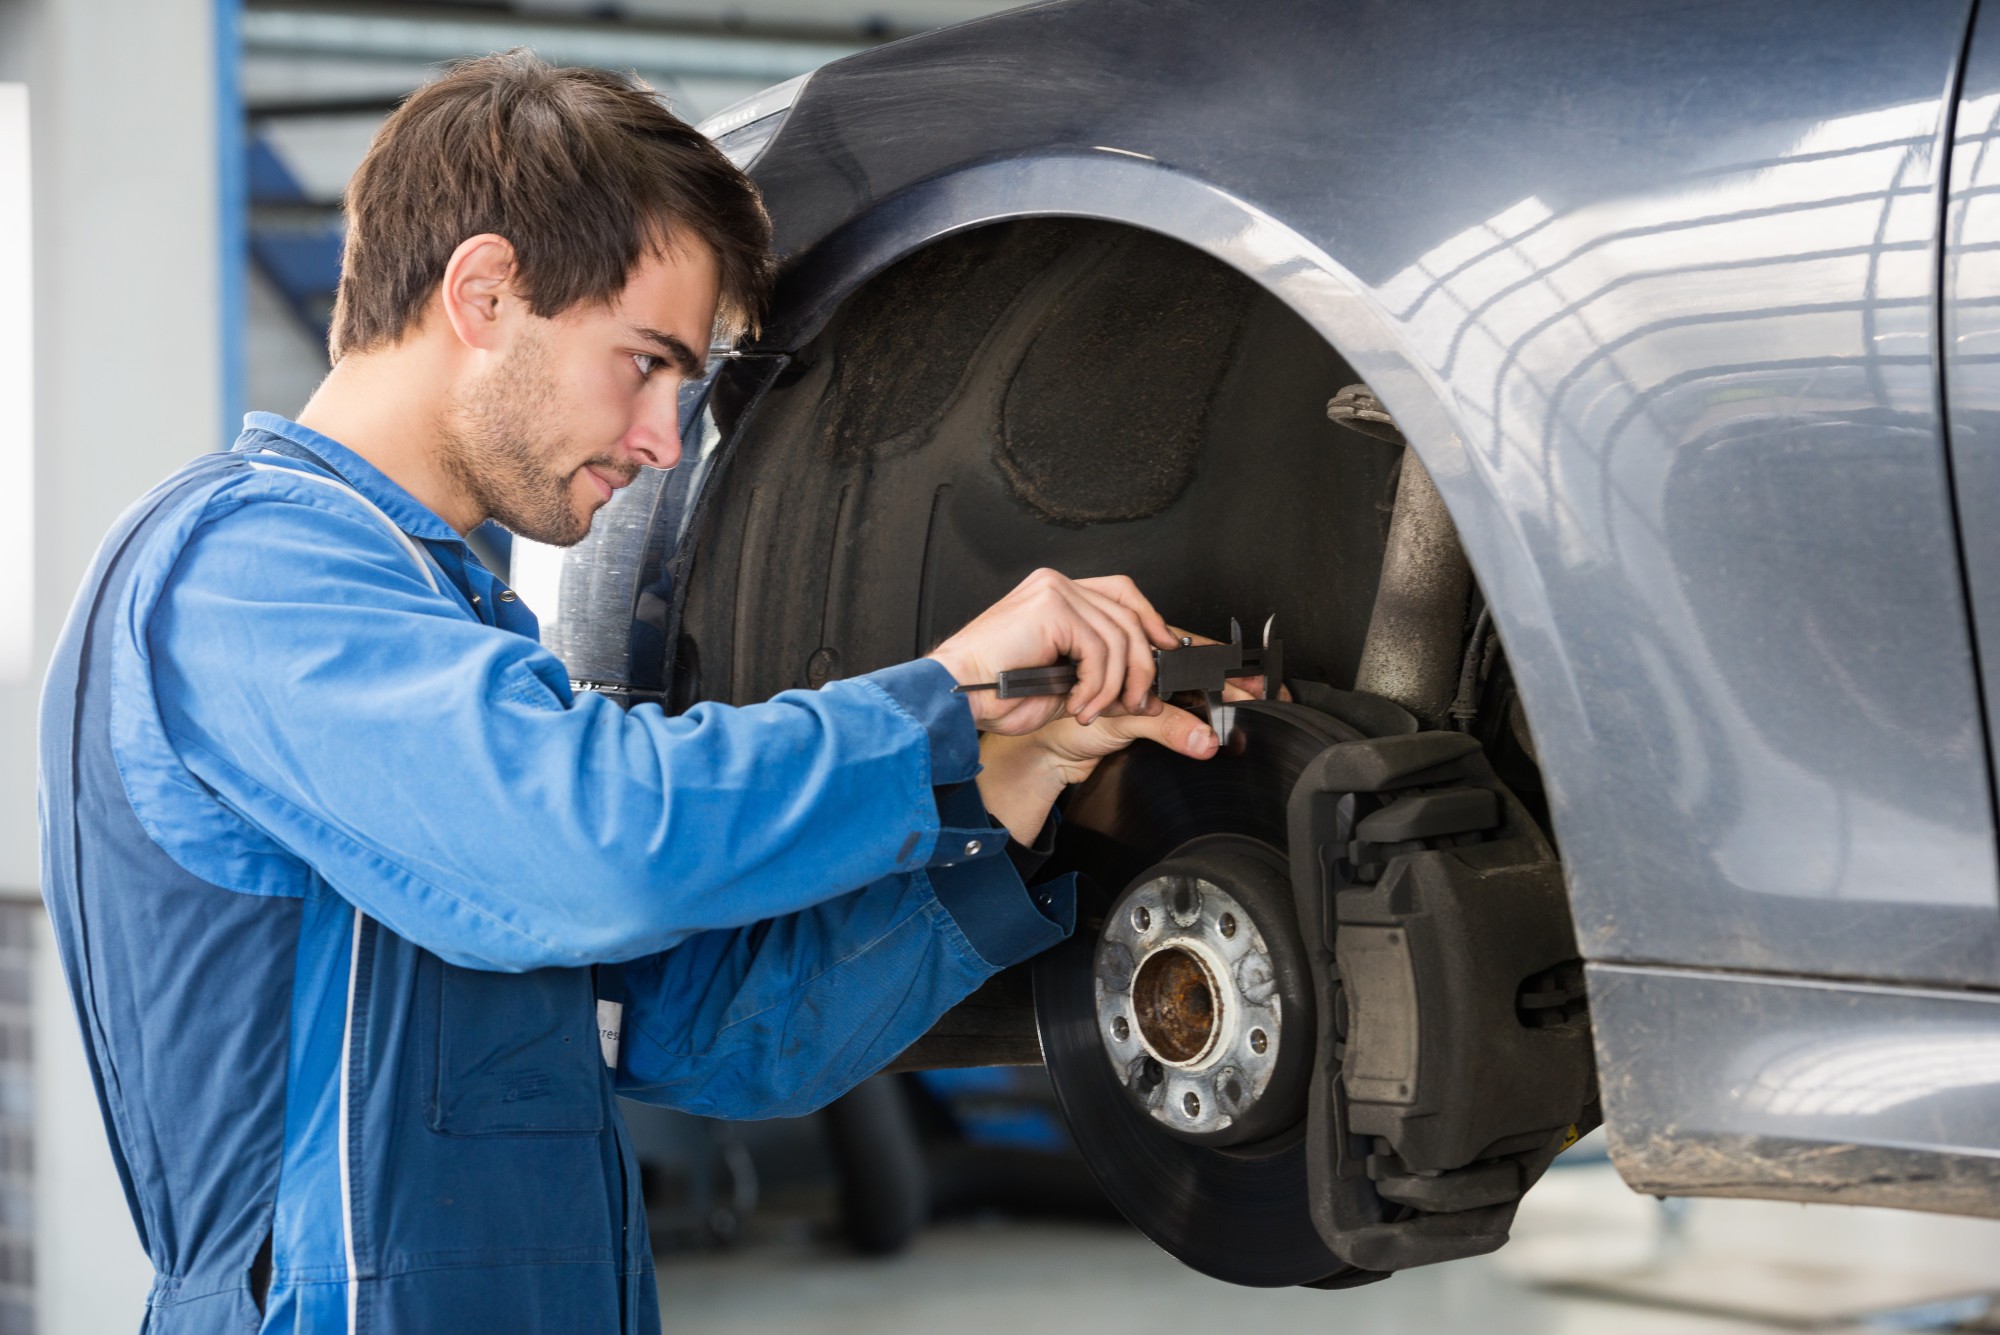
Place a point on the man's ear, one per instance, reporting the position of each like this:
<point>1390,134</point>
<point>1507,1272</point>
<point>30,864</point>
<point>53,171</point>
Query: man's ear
<point>477,292</point>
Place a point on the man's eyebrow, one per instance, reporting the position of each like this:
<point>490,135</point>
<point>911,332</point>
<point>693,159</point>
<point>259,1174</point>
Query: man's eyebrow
<point>679,353</point>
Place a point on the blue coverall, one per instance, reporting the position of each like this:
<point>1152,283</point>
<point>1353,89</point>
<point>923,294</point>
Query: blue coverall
<point>337,867</point>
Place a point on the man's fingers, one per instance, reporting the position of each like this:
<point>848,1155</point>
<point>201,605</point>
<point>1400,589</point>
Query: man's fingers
<point>1184,732</point>
<point>1096,645</point>
<point>1088,649</point>
<point>1128,663</point>
<point>1121,590</point>
<point>1113,662</point>
<point>1138,649</point>
<point>1173,728</point>
<point>1139,669</point>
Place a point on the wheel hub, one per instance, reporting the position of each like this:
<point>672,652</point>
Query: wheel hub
<point>1187,1002</point>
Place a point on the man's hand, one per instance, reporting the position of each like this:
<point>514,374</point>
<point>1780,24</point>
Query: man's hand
<point>1105,625</point>
<point>1024,775</point>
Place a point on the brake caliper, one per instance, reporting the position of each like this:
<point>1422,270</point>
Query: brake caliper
<point>1453,1058</point>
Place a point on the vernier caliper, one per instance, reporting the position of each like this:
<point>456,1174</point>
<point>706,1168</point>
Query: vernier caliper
<point>1187,667</point>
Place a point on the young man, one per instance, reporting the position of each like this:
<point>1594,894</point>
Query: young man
<point>340,869</point>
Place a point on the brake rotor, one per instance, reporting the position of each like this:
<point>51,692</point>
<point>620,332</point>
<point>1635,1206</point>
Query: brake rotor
<point>1178,1021</point>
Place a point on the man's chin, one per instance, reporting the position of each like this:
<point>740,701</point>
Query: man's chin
<point>550,536</point>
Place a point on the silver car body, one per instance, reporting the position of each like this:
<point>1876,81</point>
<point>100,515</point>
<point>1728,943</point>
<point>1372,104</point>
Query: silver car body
<point>1691,312</point>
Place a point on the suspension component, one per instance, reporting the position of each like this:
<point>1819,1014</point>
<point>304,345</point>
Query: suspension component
<point>1412,653</point>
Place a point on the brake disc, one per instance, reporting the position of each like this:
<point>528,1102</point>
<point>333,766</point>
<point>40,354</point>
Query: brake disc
<point>1178,1023</point>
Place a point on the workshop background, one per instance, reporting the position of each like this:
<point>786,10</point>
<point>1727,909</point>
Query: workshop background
<point>169,244</point>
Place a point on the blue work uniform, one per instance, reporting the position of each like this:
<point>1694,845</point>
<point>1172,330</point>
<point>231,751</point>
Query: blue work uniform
<point>338,865</point>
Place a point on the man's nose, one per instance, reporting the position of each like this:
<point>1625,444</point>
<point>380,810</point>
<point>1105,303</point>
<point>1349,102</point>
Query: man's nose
<point>655,437</point>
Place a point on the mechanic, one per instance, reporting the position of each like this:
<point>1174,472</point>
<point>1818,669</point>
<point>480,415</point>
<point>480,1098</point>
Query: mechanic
<point>365,916</point>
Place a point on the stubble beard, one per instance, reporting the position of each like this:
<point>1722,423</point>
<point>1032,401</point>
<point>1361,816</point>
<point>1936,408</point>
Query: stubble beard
<point>498,440</point>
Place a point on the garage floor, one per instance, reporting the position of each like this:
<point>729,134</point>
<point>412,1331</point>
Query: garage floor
<point>1588,1257</point>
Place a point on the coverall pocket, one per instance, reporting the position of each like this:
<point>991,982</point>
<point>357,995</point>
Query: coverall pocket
<point>517,1053</point>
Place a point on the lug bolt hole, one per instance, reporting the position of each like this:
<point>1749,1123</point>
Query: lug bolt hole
<point>1227,926</point>
<point>1260,1041</point>
<point>1120,1030</point>
<point>1191,1104</point>
<point>1142,917</point>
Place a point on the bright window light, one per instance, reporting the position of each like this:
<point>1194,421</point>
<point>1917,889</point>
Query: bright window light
<point>17,408</point>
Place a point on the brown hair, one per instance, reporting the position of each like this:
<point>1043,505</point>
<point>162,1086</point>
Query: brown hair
<point>583,170</point>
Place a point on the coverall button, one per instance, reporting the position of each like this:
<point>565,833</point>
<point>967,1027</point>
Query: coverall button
<point>972,847</point>
<point>507,595</point>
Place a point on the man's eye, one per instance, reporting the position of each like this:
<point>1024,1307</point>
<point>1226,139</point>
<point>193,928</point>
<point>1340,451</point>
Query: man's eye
<point>647,363</point>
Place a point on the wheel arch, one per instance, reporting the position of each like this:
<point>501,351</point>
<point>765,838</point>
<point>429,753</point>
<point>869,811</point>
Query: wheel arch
<point>1114,187</point>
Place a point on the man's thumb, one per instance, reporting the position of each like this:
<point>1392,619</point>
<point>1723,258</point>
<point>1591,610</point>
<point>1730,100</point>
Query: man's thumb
<point>1177,730</point>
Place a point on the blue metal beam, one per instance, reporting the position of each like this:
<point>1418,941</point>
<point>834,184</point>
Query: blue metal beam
<point>392,37</point>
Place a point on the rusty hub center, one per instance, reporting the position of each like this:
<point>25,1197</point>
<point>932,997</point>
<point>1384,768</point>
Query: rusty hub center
<point>1174,1000</point>
<point>1187,1002</point>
